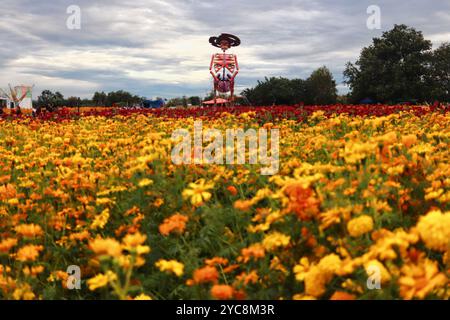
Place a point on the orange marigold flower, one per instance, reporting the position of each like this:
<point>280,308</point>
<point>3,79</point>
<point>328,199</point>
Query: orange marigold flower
<point>176,223</point>
<point>206,274</point>
<point>222,292</point>
<point>7,244</point>
<point>216,260</point>
<point>255,251</point>
<point>232,190</point>
<point>243,205</point>
<point>105,247</point>
<point>29,253</point>
<point>29,230</point>
<point>247,278</point>
<point>231,268</point>
<point>341,295</point>
<point>133,240</point>
<point>79,236</point>
<point>302,201</point>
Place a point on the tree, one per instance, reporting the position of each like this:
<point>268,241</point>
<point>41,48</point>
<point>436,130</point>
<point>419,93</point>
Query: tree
<point>175,102</point>
<point>50,100</point>
<point>184,101</point>
<point>72,102</point>
<point>122,98</point>
<point>99,98</point>
<point>195,101</point>
<point>394,67</point>
<point>321,87</point>
<point>440,73</point>
<point>276,91</point>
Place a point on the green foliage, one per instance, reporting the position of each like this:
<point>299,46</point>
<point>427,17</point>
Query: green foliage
<point>440,73</point>
<point>319,89</point>
<point>400,66</point>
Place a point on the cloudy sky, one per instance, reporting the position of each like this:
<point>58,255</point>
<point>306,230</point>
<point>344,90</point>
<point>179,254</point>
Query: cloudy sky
<point>160,47</point>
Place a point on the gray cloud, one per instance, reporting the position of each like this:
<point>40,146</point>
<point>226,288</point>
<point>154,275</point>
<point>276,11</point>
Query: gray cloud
<point>160,47</point>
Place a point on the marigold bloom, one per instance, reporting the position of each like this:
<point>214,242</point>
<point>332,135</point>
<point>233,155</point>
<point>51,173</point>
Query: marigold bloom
<point>409,140</point>
<point>302,201</point>
<point>419,280</point>
<point>170,266</point>
<point>101,280</point>
<point>198,192</point>
<point>106,247</point>
<point>206,274</point>
<point>29,230</point>
<point>434,230</point>
<point>100,220</point>
<point>143,297</point>
<point>7,244</point>
<point>176,223</point>
<point>360,225</point>
<point>255,251</point>
<point>133,240</point>
<point>275,240</point>
<point>29,253</point>
<point>222,292</point>
<point>317,276</point>
<point>377,265</point>
<point>215,261</point>
<point>342,295</point>
<point>145,183</point>
<point>247,278</point>
<point>23,292</point>
<point>232,189</point>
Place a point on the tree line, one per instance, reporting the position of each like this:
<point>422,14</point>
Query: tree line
<point>52,100</point>
<point>319,88</point>
<point>400,66</point>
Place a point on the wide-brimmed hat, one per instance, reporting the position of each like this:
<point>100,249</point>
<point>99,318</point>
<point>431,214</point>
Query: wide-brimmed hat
<point>232,40</point>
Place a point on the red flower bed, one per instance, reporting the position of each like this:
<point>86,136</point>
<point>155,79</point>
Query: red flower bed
<point>263,113</point>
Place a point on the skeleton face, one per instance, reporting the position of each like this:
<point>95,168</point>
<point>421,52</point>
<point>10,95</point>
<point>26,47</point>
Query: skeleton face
<point>224,45</point>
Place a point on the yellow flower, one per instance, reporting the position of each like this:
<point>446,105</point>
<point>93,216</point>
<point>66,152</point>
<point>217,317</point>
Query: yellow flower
<point>434,230</point>
<point>316,277</point>
<point>100,220</point>
<point>29,230</point>
<point>7,244</point>
<point>275,240</point>
<point>158,202</point>
<point>101,280</point>
<point>143,297</point>
<point>330,263</point>
<point>13,201</point>
<point>170,266</point>
<point>418,280</point>
<point>360,225</point>
<point>145,182</point>
<point>377,265</point>
<point>29,253</point>
<point>302,269</point>
<point>105,247</point>
<point>198,192</point>
<point>133,242</point>
<point>23,292</point>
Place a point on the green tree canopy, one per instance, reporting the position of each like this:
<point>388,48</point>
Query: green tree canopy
<point>321,87</point>
<point>393,68</point>
<point>440,73</point>
<point>50,100</point>
<point>276,91</point>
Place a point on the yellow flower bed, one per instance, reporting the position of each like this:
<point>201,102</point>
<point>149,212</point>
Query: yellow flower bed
<point>354,199</point>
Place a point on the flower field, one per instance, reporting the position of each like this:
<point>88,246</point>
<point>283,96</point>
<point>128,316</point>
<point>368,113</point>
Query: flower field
<point>362,192</point>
